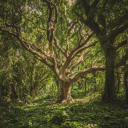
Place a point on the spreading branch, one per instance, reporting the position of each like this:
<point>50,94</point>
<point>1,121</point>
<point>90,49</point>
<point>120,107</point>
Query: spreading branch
<point>67,43</point>
<point>117,31</point>
<point>76,50</point>
<point>58,46</point>
<point>81,59</point>
<point>86,71</point>
<point>122,61</point>
<point>121,44</point>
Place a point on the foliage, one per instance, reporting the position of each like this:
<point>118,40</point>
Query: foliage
<point>22,77</point>
<point>76,115</point>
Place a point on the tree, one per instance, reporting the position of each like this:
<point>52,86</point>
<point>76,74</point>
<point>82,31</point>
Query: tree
<point>108,20</point>
<point>62,47</point>
<point>21,75</point>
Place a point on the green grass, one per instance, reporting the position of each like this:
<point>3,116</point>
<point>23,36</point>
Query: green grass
<point>38,114</point>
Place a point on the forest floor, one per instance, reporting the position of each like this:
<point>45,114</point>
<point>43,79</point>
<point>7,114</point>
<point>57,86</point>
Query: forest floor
<point>74,100</point>
<point>43,113</point>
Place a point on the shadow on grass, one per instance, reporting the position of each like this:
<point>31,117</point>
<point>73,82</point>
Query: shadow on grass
<point>20,115</point>
<point>68,115</point>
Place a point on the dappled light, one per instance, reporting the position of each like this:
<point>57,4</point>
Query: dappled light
<point>63,63</point>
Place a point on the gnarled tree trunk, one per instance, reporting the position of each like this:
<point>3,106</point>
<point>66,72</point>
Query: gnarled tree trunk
<point>65,92</point>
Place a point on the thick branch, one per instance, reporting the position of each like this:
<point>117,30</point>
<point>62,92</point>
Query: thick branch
<point>82,48</point>
<point>78,49</point>
<point>42,59</point>
<point>117,22</point>
<point>55,66</point>
<point>58,46</point>
<point>81,59</point>
<point>81,45</point>
<point>29,47</point>
<point>93,26</point>
<point>82,36</point>
<point>86,7</point>
<point>123,60</point>
<point>117,31</point>
<point>81,73</point>
<point>51,24</point>
<point>10,32</point>
<point>121,44</point>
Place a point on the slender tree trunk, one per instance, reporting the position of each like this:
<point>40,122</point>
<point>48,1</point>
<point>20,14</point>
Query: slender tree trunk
<point>109,90</point>
<point>85,87</point>
<point>118,82</point>
<point>31,81</point>
<point>126,86</point>
<point>95,88</point>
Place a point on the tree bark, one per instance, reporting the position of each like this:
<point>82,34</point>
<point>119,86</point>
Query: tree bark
<point>60,92</point>
<point>65,94</point>
<point>118,82</point>
<point>95,88</point>
<point>109,90</point>
<point>126,86</point>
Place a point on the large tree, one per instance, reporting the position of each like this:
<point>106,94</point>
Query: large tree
<point>43,28</point>
<point>108,20</point>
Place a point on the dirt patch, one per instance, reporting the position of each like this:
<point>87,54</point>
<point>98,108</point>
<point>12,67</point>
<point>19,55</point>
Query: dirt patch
<point>74,100</point>
<point>81,100</point>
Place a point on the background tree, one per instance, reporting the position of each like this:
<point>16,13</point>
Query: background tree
<point>108,20</point>
<point>21,76</point>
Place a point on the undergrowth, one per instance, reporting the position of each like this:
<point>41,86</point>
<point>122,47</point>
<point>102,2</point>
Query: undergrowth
<point>39,114</point>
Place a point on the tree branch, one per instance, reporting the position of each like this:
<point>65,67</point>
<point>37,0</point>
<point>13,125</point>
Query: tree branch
<point>67,43</point>
<point>10,32</point>
<point>94,4</point>
<point>86,71</point>
<point>81,45</point>
<point>86,7</point>
<point>82,48</point>
<point>81,59</point>
<point>58,46</point>
<point>82,36</point>
<point>121,44</point>
<point>29,47</point>
<point>42,59</point>
<point>34,23</point>
<point>78,49</point>
<point>51,25</point>
<point>122,61</point>
<point>117,31</point>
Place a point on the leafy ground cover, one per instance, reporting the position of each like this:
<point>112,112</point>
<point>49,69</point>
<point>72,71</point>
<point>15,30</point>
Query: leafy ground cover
<point>41,113</point>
